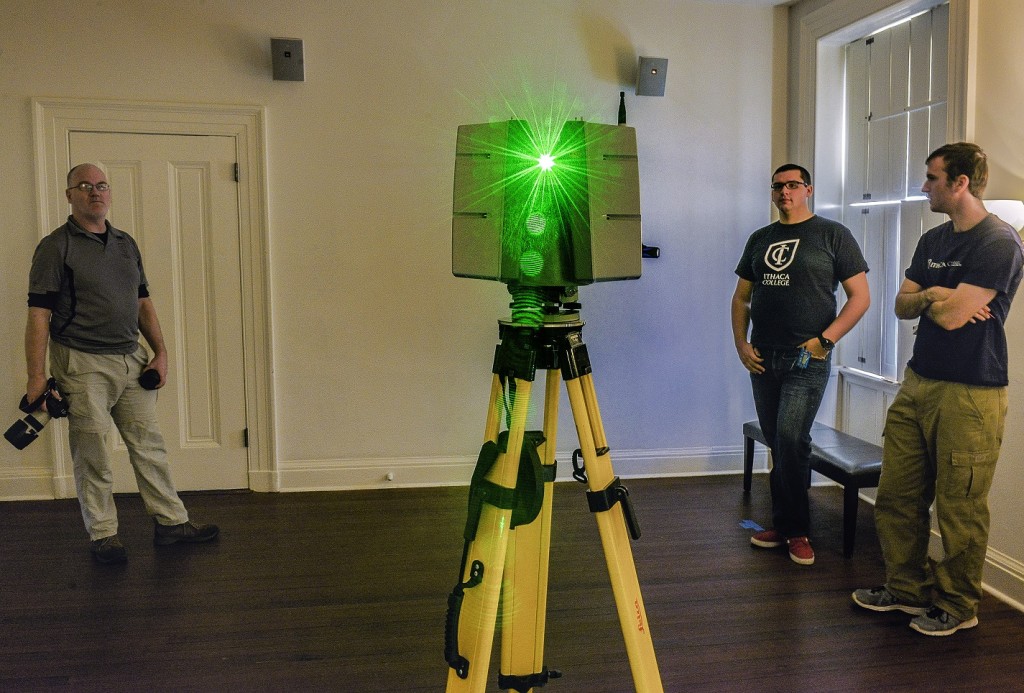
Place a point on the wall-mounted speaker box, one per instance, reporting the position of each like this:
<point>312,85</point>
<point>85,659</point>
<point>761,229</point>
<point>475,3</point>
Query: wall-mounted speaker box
<point>650,80</point>
<point>287,58</point>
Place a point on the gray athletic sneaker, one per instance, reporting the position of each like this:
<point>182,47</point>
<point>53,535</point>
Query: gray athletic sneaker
<point>881,599</point>
<point>940,622</point>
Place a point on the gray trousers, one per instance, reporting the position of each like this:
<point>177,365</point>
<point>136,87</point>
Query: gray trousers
<point>104,388</point>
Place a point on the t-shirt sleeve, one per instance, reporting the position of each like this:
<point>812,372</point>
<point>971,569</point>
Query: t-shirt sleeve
<point>745,269</point>
<point>47,300</point>
<point>143,282</point>
<point>849,258</point>
<point>995,264</point>
<point>47,270</point>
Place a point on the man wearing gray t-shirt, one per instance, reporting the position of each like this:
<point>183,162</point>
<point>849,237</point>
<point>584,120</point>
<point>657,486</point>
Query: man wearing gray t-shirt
<point>89,301</point>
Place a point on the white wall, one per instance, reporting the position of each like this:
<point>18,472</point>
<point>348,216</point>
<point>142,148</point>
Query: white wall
<point>379,353</point>
<point>994,123</point>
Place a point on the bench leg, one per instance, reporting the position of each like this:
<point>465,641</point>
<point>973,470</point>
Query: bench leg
<point>851,500</point>
<point>748,462</point>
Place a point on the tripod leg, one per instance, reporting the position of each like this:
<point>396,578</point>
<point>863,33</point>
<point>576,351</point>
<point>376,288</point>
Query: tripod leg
<point>494,410</point>
<point>593,412</point>
<point>524,597</point>
<point>485,553</point>
<point>611,525</point>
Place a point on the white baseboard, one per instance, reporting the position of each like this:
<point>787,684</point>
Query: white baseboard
<point>31,483</point>
<point>321,475</point>
<point>1004,578</point>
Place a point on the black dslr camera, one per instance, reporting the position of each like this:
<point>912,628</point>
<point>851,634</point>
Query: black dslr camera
<point>25,430</point>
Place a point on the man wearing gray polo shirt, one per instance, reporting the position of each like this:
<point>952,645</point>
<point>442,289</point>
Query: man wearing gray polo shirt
<point>89,300</point>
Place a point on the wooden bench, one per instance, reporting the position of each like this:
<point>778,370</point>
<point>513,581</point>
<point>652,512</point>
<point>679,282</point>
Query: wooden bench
<point>849,461</point>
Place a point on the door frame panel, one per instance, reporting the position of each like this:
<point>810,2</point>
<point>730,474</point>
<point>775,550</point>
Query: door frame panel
<point>54,119</point>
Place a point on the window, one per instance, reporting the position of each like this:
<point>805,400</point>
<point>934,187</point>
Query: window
<point>895,116</point>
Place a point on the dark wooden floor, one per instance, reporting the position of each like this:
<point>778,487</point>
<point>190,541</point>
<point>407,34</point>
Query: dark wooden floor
<point>347,592</point>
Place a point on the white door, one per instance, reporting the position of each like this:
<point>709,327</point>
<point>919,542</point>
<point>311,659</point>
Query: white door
<point>177,196</point>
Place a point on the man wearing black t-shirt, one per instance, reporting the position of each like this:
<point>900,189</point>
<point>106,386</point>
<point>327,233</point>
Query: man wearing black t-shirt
<point>945,426</point>
<point>788,276</point>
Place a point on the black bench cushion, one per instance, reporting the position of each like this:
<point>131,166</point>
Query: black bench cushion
<point>855,460</point>
<point>819,431</point>
<point>831,448</point>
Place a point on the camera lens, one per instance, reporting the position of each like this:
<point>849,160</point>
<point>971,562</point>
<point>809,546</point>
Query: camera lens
<point>149,379</point>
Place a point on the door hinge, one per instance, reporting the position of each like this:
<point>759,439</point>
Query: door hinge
<point>236,173</point>
<point>245,437</point>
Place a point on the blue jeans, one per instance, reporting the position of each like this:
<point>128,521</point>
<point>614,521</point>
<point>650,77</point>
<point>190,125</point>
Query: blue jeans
<point>787,400</point>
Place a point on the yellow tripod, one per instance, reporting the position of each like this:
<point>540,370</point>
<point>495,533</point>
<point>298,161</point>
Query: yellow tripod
<point>508,530</point>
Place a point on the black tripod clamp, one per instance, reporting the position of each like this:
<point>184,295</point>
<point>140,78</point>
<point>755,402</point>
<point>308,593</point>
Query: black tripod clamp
<point>615,492</point>
<point>602,501</point>
<point>524,349</point>
<point>524,684</point>
<point>516,355</point>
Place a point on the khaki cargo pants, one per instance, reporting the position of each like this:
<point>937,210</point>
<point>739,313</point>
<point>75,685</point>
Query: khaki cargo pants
<point>104,388</point>
<point>941,444</point>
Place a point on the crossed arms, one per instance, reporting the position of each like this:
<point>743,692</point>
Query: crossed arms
<point>950,309</point>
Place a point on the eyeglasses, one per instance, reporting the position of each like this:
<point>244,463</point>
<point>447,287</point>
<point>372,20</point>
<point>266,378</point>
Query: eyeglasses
<point>788,185</point>
<point>88,187</point>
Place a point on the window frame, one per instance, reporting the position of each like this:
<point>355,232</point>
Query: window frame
<point>895,113</point>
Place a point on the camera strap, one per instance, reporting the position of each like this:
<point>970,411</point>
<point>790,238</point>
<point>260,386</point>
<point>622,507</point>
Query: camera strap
<point>29,407</point>
<point>56,405</point>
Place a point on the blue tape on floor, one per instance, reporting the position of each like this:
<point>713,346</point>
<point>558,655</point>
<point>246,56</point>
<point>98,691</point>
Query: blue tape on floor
<point>750,524</point>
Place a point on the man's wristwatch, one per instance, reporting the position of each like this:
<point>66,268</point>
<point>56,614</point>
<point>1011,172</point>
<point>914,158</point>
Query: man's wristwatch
<point>826,343</point>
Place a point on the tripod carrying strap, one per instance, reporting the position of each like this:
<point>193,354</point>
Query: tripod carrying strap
<point>451,627</point>
<point>525,502</point>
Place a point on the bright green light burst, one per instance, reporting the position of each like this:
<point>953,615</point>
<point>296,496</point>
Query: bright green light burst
<point>543,201</point>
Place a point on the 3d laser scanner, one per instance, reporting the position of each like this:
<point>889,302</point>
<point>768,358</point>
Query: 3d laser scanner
<point>545,211</point>
<point>552,208</point>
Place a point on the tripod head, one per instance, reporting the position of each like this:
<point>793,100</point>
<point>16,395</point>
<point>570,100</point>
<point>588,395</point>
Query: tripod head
<point>533,306</point>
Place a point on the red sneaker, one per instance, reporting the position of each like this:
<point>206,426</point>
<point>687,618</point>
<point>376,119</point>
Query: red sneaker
<point>800,551</point>
<point>768,539</point>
